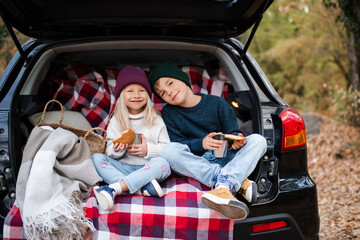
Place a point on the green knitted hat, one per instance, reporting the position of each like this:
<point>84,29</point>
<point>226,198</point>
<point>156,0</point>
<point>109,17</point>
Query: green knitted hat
<point>167,69</point>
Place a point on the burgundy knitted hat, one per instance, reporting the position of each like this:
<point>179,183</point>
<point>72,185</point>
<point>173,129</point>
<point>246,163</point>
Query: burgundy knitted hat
<point>129,75</point>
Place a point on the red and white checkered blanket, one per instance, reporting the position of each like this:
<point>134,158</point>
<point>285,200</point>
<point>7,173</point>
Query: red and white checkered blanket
<point>180,214</point>
<point>88,90</point>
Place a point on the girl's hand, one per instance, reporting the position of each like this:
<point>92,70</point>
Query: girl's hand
<point>140,150</point>
<point>238,143</point>
<point>120,147</point>
<point>211,144</point>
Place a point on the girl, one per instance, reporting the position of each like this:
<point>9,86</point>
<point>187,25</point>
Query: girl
<point>132,168</point>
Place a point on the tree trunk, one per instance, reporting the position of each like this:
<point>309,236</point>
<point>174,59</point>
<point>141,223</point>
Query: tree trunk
<point>354,82</point>
<point>353,63</point>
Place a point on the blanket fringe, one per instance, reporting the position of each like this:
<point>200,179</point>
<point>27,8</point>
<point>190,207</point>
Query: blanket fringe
<point>65,221</point>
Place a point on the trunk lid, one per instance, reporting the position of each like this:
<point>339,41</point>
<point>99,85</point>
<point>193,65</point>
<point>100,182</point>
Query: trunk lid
<point>50,19</point>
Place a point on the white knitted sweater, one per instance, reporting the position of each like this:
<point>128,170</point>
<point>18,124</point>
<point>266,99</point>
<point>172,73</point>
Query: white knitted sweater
<point>156,138</point>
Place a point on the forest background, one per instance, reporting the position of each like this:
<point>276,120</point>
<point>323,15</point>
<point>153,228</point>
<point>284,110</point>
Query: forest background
<point>307,48</point>
<point>303,48</point>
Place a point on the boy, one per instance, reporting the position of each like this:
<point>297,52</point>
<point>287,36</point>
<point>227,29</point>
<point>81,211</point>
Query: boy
<point>192,120</point>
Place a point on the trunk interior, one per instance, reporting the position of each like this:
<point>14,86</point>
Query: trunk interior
<point>60,71</point>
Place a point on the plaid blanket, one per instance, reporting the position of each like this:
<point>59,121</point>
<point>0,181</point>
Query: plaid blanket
<point>89,90</point>
<point>180,214</point>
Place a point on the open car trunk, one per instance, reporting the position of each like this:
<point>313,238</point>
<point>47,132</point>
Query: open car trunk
<point>65,72</point>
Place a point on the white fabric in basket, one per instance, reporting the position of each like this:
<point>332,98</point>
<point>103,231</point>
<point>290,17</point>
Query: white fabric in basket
<point>71,118</point>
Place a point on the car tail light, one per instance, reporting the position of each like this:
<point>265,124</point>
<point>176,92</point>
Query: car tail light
<point>293,130</point>
<point>268,226</point>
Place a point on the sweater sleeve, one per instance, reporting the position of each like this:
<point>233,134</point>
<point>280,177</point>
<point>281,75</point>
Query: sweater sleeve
<point>154,149</point>
<point>113,131</point>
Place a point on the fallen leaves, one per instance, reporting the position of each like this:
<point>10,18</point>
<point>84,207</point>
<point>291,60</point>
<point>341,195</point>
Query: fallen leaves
<point>334,164</point>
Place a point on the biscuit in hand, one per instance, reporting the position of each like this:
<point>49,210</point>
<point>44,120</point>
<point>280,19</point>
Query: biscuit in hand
<point>126,137</point>
<point>234,137</point>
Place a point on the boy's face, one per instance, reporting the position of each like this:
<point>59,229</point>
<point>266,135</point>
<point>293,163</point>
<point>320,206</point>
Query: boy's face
<point>172,90</point>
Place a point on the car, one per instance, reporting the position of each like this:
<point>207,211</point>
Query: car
<point>198,33</point>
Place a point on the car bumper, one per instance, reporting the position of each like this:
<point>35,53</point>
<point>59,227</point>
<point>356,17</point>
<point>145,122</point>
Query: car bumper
<point>298,209</point>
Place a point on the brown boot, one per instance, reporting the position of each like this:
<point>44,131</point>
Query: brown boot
<point>224,202</point>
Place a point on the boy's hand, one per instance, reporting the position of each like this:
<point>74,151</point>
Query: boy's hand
<point>238,143</point>
<point>211,144</point>
<point>140,150</point>
<point>120,147</point>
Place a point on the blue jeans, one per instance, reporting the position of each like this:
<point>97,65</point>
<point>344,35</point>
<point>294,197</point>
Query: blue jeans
<point>135,176</point>
<point>230,171</point>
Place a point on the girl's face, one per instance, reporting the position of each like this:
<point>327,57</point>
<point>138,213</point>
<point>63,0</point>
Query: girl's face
<point>135,98</point>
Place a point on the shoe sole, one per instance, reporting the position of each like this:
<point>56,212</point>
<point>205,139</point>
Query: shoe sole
<point>104,199</point>
<point>157,187</point>
<point>229,208</point>
<point>253,192</point>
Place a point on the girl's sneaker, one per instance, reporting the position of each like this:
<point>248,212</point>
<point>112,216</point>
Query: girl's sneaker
<point>105,196</point>
<point>152,189</point>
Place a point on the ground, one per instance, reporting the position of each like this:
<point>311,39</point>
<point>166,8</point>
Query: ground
<point>334,164</point>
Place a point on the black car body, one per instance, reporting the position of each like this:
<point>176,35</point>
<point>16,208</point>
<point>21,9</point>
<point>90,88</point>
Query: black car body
<point>146,33</point>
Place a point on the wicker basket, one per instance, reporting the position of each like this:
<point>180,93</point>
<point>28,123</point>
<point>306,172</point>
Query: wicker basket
<point>96,142</point>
